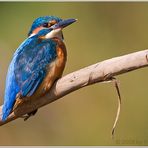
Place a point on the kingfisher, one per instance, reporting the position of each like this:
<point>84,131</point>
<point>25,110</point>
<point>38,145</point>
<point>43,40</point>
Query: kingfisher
<point>36,64</point>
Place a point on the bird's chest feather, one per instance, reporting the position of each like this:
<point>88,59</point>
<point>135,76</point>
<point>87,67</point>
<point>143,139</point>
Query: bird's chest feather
<point>54,69</point>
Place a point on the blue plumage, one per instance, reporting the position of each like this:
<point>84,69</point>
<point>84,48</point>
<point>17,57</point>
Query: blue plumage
<point>30,65</point>
<point>28,68</point>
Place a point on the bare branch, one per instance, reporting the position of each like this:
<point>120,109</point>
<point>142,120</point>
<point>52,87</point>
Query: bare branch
<point>98,72</point>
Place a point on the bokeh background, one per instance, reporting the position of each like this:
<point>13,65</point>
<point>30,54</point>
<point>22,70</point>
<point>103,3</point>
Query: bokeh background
<point>84,117</point>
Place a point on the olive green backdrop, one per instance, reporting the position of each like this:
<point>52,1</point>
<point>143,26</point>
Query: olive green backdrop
<point>84,117</point>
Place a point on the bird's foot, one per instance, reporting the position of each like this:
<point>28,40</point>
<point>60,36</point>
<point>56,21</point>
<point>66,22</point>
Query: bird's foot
<point>27,116</point>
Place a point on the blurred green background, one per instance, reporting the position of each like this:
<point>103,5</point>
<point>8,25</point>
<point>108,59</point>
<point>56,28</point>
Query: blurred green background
<point>84,117</point>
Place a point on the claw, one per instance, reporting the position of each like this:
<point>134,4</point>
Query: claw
<point>27,116</point>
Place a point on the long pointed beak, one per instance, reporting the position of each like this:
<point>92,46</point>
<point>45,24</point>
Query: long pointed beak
<point>64,23</point>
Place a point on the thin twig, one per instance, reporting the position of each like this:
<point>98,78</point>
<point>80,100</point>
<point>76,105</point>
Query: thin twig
<point>119,104</point>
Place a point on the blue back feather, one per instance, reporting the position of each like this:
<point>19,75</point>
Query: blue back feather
<point>28,68</point>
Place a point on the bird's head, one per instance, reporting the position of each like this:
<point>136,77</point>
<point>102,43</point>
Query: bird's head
<point>43,22</point>
<point>54,30</point>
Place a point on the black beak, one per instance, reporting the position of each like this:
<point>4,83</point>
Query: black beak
<point>64,23</point>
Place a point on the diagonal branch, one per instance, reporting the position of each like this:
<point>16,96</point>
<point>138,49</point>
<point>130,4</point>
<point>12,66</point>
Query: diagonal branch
<point>102,71</point>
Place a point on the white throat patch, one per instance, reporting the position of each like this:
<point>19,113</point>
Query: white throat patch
<point>55,33</point>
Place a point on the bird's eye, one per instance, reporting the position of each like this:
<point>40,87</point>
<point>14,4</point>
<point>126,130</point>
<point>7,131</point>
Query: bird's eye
<point>45,25</point>
<point>49,24</point>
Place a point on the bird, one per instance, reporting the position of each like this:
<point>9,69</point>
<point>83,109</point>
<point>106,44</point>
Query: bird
<point>36,64</point>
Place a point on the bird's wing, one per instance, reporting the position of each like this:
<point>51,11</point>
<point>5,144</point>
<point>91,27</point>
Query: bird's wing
<point>31,63</point>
